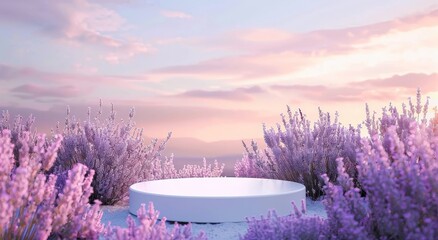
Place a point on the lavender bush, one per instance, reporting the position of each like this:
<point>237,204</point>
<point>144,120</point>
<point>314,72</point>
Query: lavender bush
<point>117,153</point>
<point>254,163</point>
<point>433,124</point>
<point>392,117</point>
<point>30,205</point>
<point>295,226</point>
<point>149,228</point>
<point>301,153</point>
<point>166,169</point>
<point>401,181</point>
<point>401,201</point>
<point>17,127</point>
<point>114,150</point>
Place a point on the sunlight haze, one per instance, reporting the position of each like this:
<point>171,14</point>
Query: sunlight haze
<point>214,70</point>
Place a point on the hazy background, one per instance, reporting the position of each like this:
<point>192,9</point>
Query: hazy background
<point>213,71</point>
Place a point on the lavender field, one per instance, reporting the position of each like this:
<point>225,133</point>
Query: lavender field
<point>381,185</point>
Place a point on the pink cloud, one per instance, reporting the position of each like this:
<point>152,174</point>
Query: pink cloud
<point>273,52</point>
<point>393,88</point>
<point>175,14</point>
<point>261,35</point>
<point>80,21</point>
<point>34,91</point>
<point>426,82</point>
<point>113,1</point>
<point>300,87</point>
<point>238,94</point>
<point>8,73</point>
<point>242,67</point>
<point>320,41</point>
<point>84,69</point>
<point>168,41</point>
<point>126,52</point>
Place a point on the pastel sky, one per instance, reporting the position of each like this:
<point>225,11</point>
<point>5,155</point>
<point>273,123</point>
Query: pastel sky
<point>214,70</point>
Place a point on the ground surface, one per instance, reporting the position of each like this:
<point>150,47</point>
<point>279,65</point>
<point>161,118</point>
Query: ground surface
<point>117,216</point>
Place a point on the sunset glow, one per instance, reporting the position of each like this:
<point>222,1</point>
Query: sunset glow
<point>214,70</point>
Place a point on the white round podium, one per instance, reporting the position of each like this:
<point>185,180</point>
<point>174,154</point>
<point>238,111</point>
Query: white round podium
<point>218,199</point>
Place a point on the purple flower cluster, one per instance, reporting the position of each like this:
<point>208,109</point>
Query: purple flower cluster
<point>401,195</point>
<point>30,205</point>
<point>295,226</point>
<point>397,168</point>
<point>166,169</point>
<point>149,228</point>
<point>401,183</point>
<point>401,120</point>
<point>433,124</point>
<point>254,163</point>
<point>302,153</point>
<point>114,150</point>
<point>117,153</point>
<point>17,127</point>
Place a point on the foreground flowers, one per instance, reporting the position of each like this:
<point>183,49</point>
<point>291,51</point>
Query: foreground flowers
<point>398,174</point>
<point>38,205</point>
<point>31,206</point>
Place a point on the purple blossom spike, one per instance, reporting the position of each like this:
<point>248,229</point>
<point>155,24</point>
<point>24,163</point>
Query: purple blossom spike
<point>150,228</point>
<point>301,153</point>
<point>116,152</point>
<point>397,169</point>
<point>30,205</point>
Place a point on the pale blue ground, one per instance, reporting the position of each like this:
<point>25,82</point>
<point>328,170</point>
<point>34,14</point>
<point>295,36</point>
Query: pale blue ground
<point>117,216</point>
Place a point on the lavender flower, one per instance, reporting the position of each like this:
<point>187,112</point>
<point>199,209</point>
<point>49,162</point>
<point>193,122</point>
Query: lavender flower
<point>391,116</point>
<point>114,150</point>
<point>401,194</point>
<point>302,153</point>
<point>30,205</point>
<point>166,169</point>
<point>254,164</point>
<point>433,124</point>
<point>294,226</point>
<point>149,228</point>
<point>400,180</point>
<point>397,169</point>
<point>118,155</point>
<point>17,127</point>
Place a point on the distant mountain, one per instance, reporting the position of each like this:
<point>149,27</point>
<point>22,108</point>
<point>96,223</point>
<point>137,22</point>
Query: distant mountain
<point>193,151</point>
<point>190,147</point>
